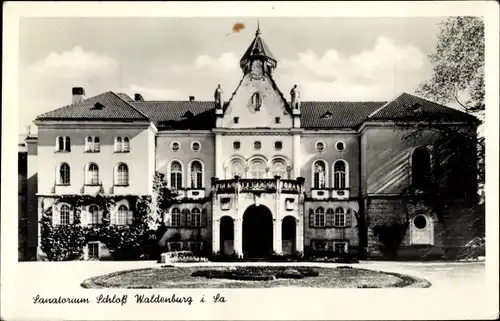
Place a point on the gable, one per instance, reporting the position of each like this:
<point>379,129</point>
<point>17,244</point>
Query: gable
<point>257,103</point>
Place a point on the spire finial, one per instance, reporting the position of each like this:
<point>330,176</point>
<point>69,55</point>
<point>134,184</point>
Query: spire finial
<point>258,28</point>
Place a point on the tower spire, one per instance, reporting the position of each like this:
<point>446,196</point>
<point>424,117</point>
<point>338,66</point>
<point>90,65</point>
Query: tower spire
<point>258,28</point>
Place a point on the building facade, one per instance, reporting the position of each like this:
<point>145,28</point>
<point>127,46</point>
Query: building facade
<point>256,172</point>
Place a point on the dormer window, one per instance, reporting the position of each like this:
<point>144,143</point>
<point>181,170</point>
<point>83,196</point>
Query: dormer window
<point>188,114</point>
<point>257,101</point>
<point>327,115</point>
<point>98,106</point>
<point>417,108</point>
<point>277,120</point>
<point>236,120</point>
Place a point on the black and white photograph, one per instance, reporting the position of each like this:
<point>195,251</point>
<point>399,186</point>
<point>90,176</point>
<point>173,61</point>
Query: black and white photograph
<point>184,161</point>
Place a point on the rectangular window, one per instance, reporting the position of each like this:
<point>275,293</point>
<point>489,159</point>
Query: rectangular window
<point>176,180</point>
<point>319,220</point>
<point>339,220</point>
<point>195,247</point>
<point>175,246</point>
<point>93,248</point>
<point>176,219</point>
<point>340,247</point>
<point>320,245</point>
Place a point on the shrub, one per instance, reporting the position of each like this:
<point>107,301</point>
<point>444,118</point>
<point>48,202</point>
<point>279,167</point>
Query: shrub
<point>258,273</point>
<point>289,274</point>
<point>181,257</point>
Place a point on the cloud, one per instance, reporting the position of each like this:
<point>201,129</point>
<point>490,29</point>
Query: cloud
<point>376,73</point>
<point>75,63</point>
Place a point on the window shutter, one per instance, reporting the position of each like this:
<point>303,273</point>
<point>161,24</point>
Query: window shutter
<point>55,215</point>
<point>99,216</point>
<point>204,218</point>
<point>348,218</point>
<point>311,218</point>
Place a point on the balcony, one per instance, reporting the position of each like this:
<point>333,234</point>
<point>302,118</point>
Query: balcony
<point>330,193</point>
<point>259,185</point>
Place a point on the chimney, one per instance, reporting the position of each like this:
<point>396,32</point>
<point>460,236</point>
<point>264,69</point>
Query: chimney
<point>138,97</point>
<point>78,94</point>
<point>191,98</point>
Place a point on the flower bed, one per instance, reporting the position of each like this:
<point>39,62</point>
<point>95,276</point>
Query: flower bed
<point>181,257</point>
<point>257,273</point>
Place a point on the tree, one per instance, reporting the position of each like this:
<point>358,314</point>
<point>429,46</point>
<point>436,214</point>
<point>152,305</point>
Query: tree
<point>458,78</point>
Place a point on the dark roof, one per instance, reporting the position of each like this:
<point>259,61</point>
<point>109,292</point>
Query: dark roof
<point>197,115</point>
<point>407,106</point>
<point>344,114</point>
<point>172,114</point>
<point>114,108</point>
<point>258,48</point>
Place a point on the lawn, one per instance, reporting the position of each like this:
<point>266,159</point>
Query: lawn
<point>180,277</point>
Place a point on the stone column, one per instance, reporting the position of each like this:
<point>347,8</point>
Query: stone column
<point>277,246</point>
<point>299,237</point>
<point>296,156</point>
<point>238,237</point>
<point>216,237</point>
<point>219,163</point>
<point>277,220</point>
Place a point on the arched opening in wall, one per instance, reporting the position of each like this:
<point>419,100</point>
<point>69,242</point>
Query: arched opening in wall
<point>288,235</point>
<point>257,232</point>
<point>278,168</point>
<point>226,235</point>
<point>237,168</point>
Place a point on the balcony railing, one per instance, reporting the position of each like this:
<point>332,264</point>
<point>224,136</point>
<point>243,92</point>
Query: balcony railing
<point>267,185</point>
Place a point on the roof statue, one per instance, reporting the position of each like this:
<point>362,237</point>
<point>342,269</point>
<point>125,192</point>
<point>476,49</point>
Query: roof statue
<point>218,97</point>
<point>295,94</point>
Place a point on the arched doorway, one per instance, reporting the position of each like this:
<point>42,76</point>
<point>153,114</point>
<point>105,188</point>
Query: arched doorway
<point>226,235</point>
<point>288,235</point>
<point>257,232</point>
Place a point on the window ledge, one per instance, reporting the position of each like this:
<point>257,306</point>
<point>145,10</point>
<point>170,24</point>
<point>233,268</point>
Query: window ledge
<point>62,151</point>
<point>91,184</point>
<point>63,184</point>
<point>92,151</point>
<point>121,185</point>
<point>121,151</point>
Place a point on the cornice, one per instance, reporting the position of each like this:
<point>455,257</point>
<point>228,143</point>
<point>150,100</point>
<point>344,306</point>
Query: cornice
<point>72,124</point>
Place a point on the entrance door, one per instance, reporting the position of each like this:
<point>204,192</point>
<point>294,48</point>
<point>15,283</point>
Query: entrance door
<point>288,235</point>
<point>257,232</point>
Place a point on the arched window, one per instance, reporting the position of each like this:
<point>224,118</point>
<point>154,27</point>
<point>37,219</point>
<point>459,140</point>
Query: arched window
<point>64,214</point>
<point>278,168</point>
<point>121,175</point>
<point>196,217</point>
<point>339,175</point>
<point>123,215</point>
<point>126,144</point>
<point>118,144</point>
<point>60,144</point>
<point>64,174</point>
<point>196,175</point>
<point>176,217</point>
<point>319,217</point>
<point>258,169</point>
<point>319,169</point>
<point>176,175</point>
<point>63,144</point>
<point>237,168</point>
<point>92,174</point>
<point>339,218</point>
<point>420,168</point>
<point>94,214</point>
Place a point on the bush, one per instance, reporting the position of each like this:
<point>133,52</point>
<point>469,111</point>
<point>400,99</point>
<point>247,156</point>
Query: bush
<point>289,274</point>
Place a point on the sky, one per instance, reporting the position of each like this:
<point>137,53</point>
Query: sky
<point>335,58</point>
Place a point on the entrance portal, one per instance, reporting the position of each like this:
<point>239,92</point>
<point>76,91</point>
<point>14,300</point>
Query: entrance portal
<point>257,232</point>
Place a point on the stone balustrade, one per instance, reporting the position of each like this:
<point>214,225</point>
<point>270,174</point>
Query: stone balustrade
<point>263,185</point>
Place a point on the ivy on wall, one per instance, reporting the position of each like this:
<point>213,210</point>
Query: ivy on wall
<point>66,242</point>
